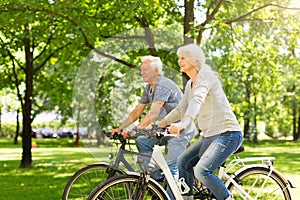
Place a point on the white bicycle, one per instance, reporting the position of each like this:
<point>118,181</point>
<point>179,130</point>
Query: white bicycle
<point>253,178</point>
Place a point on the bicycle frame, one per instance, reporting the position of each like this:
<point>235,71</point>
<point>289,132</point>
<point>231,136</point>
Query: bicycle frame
<point>121,159</point>
<point>239,167</point>
<point>159,159</point>
<point>266,162</point>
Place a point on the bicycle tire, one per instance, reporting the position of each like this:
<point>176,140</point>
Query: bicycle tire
<point>85,180</point>
<point>125,187</point>
<point>252,179</point>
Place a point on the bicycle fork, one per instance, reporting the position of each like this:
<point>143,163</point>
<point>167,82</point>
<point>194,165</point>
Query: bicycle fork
<point>141,186</point>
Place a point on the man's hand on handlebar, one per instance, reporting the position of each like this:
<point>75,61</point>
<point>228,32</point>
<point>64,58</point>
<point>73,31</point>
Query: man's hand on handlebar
<point>126,133</point>
<point>115,131</point>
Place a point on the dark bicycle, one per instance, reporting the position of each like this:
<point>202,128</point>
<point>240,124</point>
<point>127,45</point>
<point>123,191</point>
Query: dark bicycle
<point>86,179</point>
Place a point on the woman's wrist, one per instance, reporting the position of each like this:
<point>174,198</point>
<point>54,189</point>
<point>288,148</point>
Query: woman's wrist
<point>163,123</point>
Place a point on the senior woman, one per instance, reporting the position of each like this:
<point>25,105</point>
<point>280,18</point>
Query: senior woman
<point>204,99</point>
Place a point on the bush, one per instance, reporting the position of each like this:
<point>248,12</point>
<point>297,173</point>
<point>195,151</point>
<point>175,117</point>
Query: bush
<point>8,129</point>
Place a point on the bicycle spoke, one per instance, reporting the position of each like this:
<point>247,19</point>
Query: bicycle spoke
<point>260,183</point>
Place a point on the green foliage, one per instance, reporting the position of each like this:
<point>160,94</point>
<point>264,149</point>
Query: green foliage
<point>254,45</point>
<point>255,60</point>
<point>8,129</point>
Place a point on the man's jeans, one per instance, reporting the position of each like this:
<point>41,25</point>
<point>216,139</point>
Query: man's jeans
<point>206,155</point>
<point>175,147</point>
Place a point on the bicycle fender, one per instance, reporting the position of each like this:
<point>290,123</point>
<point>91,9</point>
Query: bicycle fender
<point>271,168</point>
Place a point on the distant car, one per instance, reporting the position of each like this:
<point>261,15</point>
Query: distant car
<point>33,132</point>
<point>83,132</point>
<point>65,133</point>
<point>46,133</point>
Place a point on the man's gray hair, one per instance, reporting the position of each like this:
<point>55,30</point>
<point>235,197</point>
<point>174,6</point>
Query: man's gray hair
<point>155,63</point>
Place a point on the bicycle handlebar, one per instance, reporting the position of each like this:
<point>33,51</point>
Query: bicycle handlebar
<point>154,131</point>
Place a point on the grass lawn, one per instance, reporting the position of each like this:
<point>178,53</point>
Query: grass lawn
<point>56,160</point>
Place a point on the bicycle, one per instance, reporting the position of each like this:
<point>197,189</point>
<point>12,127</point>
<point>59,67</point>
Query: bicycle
<point>87,178</point>
<point>249,181</point>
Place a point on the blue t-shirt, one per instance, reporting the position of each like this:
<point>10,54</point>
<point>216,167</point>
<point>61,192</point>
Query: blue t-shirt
<point>164,90</point>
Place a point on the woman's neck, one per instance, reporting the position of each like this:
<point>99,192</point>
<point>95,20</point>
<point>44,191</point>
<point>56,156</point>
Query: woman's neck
<point>192,74</point>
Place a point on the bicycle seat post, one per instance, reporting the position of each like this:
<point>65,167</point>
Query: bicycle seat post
<point>159,137</point>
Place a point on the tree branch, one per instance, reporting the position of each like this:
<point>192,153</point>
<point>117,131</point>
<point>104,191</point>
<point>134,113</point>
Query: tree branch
<point>73,23</point>
<point>241,18</point>
<point>209,18</point>
<point>148,35</point>
<point>45,47</point>
<point>48,57</point>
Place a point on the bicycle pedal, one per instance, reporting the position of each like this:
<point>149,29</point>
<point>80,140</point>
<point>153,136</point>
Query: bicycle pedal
<point>182,186</point>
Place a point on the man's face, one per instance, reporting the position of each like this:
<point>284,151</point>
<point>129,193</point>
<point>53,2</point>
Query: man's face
<point>148,73</point>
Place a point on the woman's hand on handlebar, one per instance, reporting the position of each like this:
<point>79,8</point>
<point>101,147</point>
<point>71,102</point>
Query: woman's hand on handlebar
<point>162,123</point>
<point>175,129</point>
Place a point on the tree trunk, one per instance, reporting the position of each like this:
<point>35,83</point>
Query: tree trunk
<point>298,130</point>
<point>26,109</point>
<point>188,21</point>
<point>77,132</point>
<point>17,128</point>
<point>247,112</point>
<point>100,136</point>
<point>77,137</point>
<point>188,37</point>
<point>0,121</point>
<point>255,132</point>
<point>246,127</point>
<point>295,131</point>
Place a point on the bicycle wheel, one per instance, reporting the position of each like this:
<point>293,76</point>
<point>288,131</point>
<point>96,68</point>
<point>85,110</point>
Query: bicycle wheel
<point>128,187</point>
<point>85,180</point>
<point>259,183</point>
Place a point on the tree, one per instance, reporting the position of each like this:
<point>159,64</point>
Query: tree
<point>52,37</point>
<point>238,33</point>
<point>23,36</point>
<point>59,32</point>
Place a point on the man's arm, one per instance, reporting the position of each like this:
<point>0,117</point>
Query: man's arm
<point>152,114</point>
<point>134,115</point>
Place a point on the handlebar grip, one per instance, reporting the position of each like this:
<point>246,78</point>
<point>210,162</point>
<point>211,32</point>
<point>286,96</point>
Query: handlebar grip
<point>115,135</point>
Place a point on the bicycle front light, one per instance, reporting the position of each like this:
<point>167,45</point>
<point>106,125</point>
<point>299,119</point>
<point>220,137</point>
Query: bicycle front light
<point>110,156</point>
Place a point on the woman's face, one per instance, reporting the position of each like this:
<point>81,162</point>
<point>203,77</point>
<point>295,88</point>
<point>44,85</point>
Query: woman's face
<point>185,66</point>
<point>148,73</point>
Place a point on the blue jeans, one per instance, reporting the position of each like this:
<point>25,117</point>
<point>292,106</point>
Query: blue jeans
<point>175,147</point>
<point>206,155</point>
